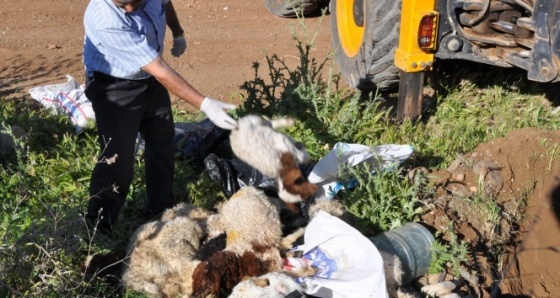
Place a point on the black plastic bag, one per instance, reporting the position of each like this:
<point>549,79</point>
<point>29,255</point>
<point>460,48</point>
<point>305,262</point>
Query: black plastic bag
<point>232,174</point>
<point>196,140</point>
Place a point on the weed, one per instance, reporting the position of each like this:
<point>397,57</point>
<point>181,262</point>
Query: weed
<point>450,255</point>
<point>552,152</point>
<point>385,199</point>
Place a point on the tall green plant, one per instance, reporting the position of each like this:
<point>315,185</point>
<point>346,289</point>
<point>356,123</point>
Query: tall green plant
<point>385,198</point>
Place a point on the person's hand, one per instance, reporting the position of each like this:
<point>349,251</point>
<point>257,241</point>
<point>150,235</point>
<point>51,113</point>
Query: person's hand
<point>215,110</point>
<point>179,45</point>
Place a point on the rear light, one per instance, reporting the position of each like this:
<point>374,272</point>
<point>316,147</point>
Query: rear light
<point>427,32</point>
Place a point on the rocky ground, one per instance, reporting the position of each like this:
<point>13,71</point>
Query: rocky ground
<point>483,196</point>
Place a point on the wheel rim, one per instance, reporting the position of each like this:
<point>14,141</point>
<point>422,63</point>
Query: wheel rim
<point>350,20</point>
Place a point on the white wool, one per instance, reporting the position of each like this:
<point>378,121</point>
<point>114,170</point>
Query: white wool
<point>256,142</point>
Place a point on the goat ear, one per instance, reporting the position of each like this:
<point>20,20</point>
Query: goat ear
<point>295,183</point>
<point>308,189</point>
<point>293,179</point>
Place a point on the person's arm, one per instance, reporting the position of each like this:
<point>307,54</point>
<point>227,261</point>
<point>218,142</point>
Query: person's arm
<point>172,20</point>
<point>179,40</point>
<point>176,84</point>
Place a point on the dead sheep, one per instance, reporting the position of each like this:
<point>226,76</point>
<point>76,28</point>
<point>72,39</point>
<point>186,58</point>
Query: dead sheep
<point>256,141</point>
<point>393,277</point>
<point>253,232</point>
<point>249,219</point>
<point>330,206</point>
<point>223,271</point>
<point>160,259</point>
<point>199,215</point>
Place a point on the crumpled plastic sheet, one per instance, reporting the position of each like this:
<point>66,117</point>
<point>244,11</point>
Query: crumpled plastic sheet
<point>348,263</point>
<point>325,173</point>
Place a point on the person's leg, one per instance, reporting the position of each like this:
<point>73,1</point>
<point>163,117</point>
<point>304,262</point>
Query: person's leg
<point>118,113</point>
<point>158,132</point>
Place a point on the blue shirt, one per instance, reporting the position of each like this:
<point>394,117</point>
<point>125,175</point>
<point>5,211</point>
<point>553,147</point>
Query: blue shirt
<point>119,43</point>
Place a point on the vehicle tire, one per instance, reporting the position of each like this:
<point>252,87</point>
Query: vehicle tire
<point>365,42</point>
<point>288,8</point>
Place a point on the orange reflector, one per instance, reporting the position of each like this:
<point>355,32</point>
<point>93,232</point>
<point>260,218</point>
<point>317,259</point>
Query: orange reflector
<point>427,32</point>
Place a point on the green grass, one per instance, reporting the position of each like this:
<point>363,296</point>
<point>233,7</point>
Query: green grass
<point>44,239</point>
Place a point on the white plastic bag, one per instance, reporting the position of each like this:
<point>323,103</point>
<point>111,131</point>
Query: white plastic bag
<point>325,172</point>
<point>66,98</point>
<point>348,263</point>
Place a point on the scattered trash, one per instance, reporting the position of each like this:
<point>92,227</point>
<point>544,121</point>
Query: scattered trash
<point>66,98</point>
<point>326,172</point>
<point>412,243</point>
<point>348,263</point>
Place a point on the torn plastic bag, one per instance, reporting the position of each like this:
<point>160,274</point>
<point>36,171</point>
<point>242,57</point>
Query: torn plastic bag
<point>344,155</point>
<point>196,140</point>
<point>348,264</point>
<point>232,174</point>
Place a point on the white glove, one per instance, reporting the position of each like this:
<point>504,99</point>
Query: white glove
<point>179,46</point>
<point>215,110</point>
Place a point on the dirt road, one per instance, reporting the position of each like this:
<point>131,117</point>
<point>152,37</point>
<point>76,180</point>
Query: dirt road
<point>41,41</point>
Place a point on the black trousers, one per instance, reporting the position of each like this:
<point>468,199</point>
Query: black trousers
<point>122,109</point>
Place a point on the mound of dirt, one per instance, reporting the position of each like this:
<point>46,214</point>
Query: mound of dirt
<point>503,199</point>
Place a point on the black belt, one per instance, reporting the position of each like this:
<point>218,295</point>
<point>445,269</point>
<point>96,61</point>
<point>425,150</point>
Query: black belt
<point>103,77</point>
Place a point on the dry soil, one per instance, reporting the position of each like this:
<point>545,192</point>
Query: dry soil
<point>41,41</point>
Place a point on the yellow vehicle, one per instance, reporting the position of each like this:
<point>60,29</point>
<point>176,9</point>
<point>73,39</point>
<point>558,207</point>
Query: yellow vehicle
<point>385,44</point>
